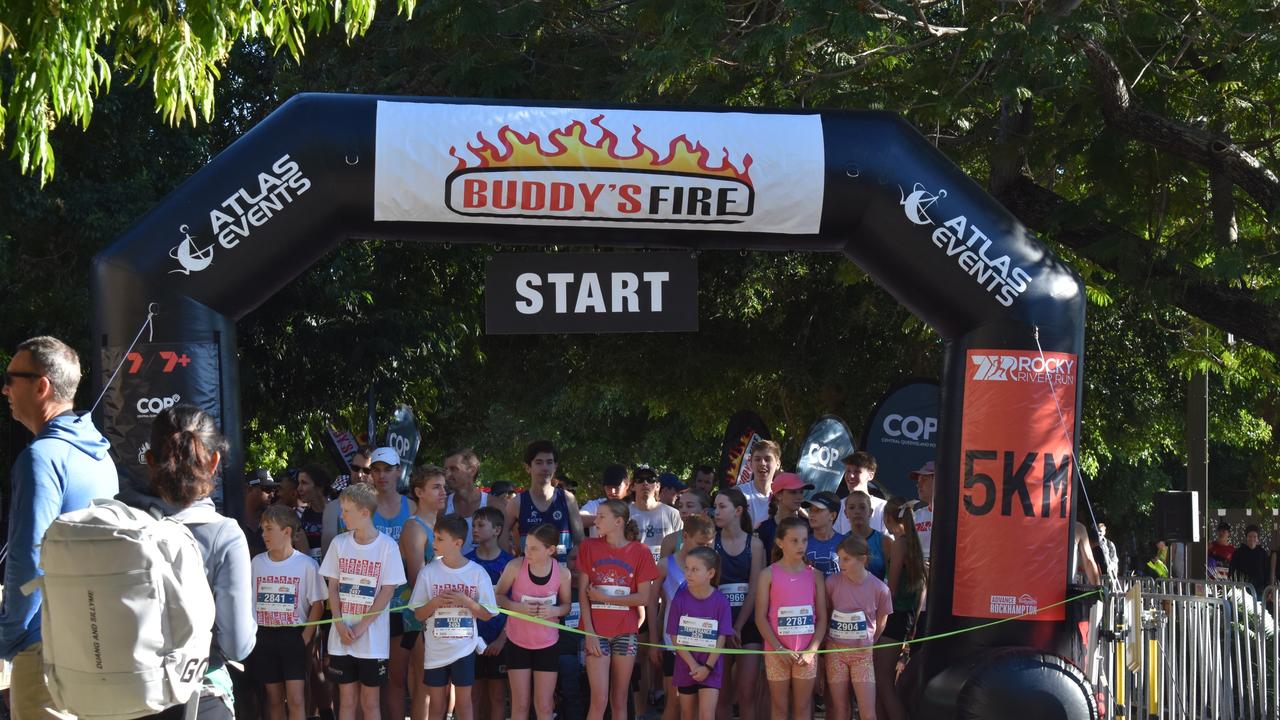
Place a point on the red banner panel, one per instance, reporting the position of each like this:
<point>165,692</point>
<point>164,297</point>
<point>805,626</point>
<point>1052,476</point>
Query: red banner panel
<point>1013,524</point>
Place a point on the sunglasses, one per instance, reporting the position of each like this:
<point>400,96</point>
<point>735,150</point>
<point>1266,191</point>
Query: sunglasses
<point>10,375</point>
<point>357,470</point>
<point>646,480</point>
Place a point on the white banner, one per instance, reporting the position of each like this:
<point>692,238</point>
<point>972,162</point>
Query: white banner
<point>600,168</point>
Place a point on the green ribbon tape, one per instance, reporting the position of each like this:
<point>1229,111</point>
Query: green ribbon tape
<point>724,651</point>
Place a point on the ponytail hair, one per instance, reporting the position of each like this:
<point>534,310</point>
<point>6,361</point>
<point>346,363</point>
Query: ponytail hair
<point>710,559</point>
<point>899,510</point>
<point>618,508</point>
<point>184,439</point>
<point>783,527</point>
<point>738,500</point>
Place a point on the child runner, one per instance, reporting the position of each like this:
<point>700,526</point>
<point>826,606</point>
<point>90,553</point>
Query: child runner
<point>289,592</point>
<point>490,694</point>
<point>688,503</point>
<point>450,594</point>
<point>791,613</point>
<point>788,493</point>
<point>427,487</point>
<point>698,532</point>
<point>741,560</point>
<point>535,585</point>
<point>860,604</point>
<point>543,503</point>
<point>393,510</point>
<point>617,579</point>
<point>766,461</point>
<point>906,583</point>
<point>363,567</point>
<point>857,507</point>
<point>821,553</point>
<point>699,617</point>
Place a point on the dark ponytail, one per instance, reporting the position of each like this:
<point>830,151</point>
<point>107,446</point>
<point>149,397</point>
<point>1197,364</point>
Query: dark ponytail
<point>183,441</point>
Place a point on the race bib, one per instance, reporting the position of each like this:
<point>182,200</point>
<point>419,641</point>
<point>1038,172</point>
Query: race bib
<point>453,623</point>
<point>697,632</point>
<point>735,592</point>
<point>795,620</point>
<point>656,550</point>
<point>574,616</point>
<point>614,590</point>
<point>849,625</point>
<point>357,591</point>
<point>277,598</point>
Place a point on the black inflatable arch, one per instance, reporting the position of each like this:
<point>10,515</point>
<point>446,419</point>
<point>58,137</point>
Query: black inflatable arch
<point>305,179</point>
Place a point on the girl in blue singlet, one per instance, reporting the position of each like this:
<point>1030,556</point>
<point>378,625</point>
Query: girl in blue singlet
<point>741,559</point>
<point>857,508</point>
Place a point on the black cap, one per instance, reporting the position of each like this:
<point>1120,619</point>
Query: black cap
<point>824,500</point>
<point>260,478</point>
<point>502,487</point>
<point>669,480</point>
<point>644,470</point>
<point>614,475</point>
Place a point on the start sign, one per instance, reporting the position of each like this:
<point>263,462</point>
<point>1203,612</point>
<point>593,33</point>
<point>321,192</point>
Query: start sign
<point>527,293</point>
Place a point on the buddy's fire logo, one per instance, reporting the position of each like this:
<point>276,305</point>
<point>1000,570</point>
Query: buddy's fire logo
<point>565,176</point>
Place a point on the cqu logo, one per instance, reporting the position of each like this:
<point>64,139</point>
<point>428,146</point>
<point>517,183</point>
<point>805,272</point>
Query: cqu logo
<point>911,427</point>
<point>150,407</point>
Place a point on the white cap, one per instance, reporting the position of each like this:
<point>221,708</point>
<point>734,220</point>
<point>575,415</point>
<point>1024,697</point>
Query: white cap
<point>385,455</point>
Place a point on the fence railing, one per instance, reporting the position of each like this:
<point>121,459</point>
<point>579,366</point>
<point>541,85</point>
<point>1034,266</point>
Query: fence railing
<point>1184,649</point>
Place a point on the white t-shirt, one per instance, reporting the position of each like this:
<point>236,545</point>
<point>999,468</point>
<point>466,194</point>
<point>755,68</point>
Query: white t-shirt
<point>843,526</point>
<point>592,508</point>
<point>757,502</point>
<point>361,571</point>
<point>450,633</point>
<point>284,591</point>
<point>656,524</point>
<point>469,543</point>
<point>924,528</point>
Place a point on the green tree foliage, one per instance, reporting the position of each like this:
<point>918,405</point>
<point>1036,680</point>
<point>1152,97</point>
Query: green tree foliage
<point>1137,138</point>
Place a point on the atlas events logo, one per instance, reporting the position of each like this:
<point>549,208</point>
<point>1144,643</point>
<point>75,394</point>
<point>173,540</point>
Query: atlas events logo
<point>967,244</point>
<point>1024,368</point>
<point>1023,604</point>
<point>573,178</point>
<point>240,214</point>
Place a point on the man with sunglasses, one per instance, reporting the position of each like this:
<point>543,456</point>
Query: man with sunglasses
<point>65,466</point>
<point>361,466</point>
<point>654,519</point>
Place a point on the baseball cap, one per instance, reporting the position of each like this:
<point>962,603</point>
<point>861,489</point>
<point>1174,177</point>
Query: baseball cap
<point>614,475</point>
<point>669,480</point>
<point>260,478</point>
<point>824,500</point>
<point>502,487</point>
<point>643,471</point>
<point>925,469</point>
<point>386,455</point>
<point>788,481</point>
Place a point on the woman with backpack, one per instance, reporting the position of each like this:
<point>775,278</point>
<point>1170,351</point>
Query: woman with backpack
<point>186,448</point>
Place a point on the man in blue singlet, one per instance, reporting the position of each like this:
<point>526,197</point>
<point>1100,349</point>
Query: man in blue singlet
<point>543,502</point>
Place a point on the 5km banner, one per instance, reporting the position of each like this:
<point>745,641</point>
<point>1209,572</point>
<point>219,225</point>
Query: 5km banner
<point>601,168</point>
<point>1015,482</point>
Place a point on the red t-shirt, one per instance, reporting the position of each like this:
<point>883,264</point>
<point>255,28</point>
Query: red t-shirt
<point>616,570</point>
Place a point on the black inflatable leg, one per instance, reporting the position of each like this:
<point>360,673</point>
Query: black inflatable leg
<point>1009,684</point>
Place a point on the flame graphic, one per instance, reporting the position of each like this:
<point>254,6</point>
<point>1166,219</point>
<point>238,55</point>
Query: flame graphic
<point>572,150</point>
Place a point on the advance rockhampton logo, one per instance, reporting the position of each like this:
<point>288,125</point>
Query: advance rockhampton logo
<point>967,245</point>
<point>1023,604</point>
<point>600,168</point>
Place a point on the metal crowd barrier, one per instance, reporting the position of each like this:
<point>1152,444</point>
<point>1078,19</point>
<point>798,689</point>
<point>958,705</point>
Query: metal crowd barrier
<point>1186,650</point>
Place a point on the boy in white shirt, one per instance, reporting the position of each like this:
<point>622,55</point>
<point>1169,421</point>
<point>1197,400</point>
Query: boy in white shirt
<point>450,594</point>
<point>288,591</point>
<point>364,568</point>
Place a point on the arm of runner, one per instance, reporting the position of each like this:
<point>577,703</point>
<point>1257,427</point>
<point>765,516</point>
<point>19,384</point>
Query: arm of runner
<point>575,518</point>
<point>584,619</point>
<point>762,610</point>
<point>512,514</point>
<point>502,590</point>
<point>819,612</point>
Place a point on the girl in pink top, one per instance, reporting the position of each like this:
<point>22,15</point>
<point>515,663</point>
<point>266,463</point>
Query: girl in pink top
<point>537,586</point>
<point>791,612</point>
<point>860,604</point>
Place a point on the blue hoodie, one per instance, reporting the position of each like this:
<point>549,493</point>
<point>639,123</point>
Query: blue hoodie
<point>65,467</point>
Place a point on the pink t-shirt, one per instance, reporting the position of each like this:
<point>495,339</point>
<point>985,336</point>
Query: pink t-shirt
<point>855,608</point>
<point>792,606</point>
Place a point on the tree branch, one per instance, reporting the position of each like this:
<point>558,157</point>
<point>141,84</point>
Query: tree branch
<point>1111,247</point>
<point>1181,139</point>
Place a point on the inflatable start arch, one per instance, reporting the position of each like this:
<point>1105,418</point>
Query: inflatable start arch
<point>324,168</point>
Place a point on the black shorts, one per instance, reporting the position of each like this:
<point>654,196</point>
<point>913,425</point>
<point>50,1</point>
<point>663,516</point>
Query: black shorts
<point>493,667</point>
<point>366,671</point>
<point>409,638</point>
<point>397,625</point>
<point>546,659</point>
<point>668,664</point>
<point>278,655</point>
<point>459,673</point>
<point>899,624</point>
